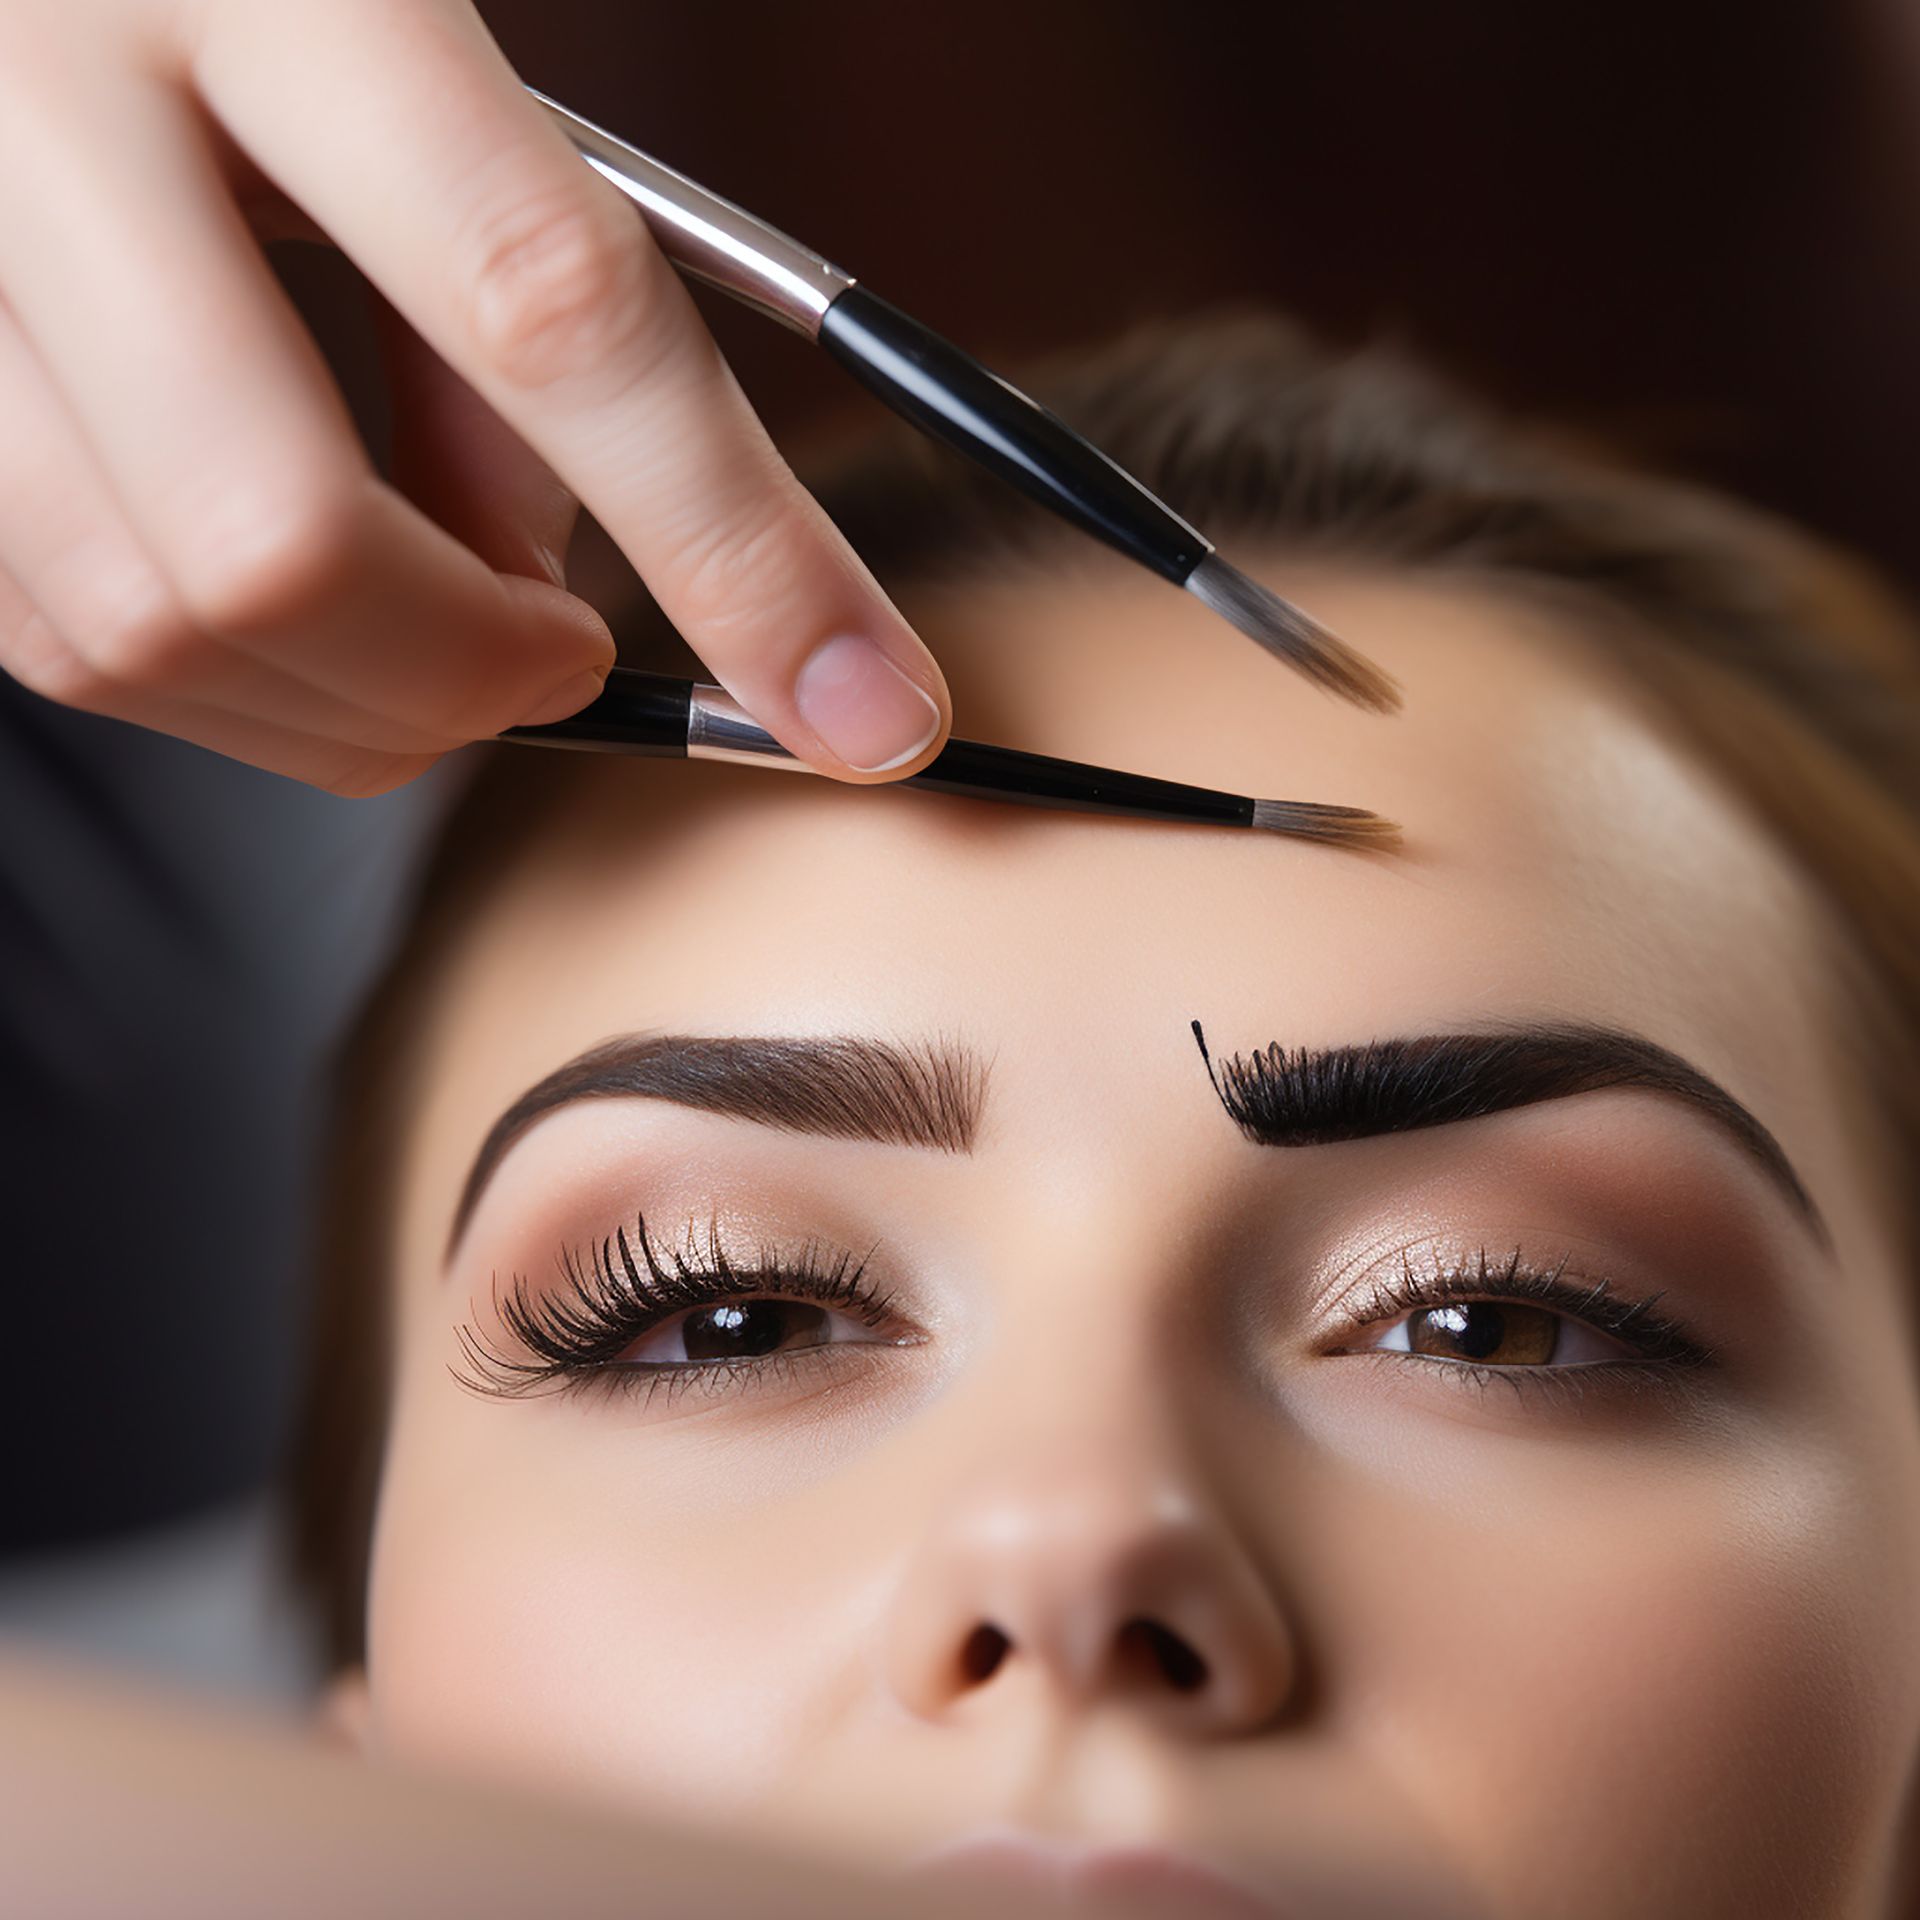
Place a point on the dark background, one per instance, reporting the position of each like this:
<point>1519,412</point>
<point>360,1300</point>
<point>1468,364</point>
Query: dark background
<point>1695,227</point>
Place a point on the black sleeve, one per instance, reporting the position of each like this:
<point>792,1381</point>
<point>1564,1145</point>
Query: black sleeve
<point>181,938</point>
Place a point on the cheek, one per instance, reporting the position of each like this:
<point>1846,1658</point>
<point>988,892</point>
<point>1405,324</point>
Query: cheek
<point>565,1629</point>
<point>1651,1691</point>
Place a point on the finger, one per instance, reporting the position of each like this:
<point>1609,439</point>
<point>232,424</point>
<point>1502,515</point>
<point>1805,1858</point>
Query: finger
<point>465,468</point>
<point>227,446</point>
<point>124,636</point>
<point>404,133</point>
<point>34,653</point>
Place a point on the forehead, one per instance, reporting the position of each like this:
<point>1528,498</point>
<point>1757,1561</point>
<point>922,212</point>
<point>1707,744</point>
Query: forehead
<point>1561,859</point>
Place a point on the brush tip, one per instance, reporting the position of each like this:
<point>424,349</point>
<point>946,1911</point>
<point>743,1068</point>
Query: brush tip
<point>1292,635</point>
<point>1335,826</point>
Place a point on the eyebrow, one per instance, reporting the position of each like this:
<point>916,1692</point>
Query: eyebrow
<point>1309,1097</point>
<point>848,1087</point>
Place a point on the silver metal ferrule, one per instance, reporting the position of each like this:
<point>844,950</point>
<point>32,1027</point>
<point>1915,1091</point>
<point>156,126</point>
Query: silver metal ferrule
<point>720,728</point>
<point>708,237</point>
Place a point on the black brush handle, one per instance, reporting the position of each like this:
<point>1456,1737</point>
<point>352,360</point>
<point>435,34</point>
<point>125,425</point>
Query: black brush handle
<point>655,714</point>
<point>954,398</point>
<point>984,772</point>
<point>634,712</point>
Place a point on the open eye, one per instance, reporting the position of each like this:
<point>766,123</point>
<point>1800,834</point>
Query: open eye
<point>1494,1316</point>
<point>624,1309</point>
<point>746,1329</point>
<point>1499,1333</point>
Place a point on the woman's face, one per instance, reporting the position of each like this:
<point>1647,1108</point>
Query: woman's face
<point>1065,1462</point>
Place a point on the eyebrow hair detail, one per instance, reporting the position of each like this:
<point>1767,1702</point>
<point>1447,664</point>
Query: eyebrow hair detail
<point>1307,1096</point>
<point>847,1087</point>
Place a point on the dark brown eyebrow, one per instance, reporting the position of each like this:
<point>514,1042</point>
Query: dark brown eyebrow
<point>1307,1096</point>
<point>849,1087</point>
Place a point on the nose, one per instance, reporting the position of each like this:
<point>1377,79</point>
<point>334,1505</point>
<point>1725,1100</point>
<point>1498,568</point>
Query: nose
<point>1103,1577</point>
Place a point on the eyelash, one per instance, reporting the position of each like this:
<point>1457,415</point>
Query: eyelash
<point>1666,1352</point>
<point>575,1337</point>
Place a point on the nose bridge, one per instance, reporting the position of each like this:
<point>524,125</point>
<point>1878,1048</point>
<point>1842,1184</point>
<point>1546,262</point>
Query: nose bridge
<point>1074,1546</point>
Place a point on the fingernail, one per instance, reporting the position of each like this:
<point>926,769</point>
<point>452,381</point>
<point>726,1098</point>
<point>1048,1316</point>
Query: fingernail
<point>862,706</point>
<point>582,690</point>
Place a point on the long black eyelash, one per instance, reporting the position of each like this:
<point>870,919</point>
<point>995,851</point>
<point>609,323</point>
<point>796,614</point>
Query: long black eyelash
<point>609,1299</point>
<point>1661,1344</point>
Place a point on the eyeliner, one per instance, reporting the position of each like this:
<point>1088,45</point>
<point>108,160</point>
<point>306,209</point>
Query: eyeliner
<point>950,396</point>
<point>666,717</point>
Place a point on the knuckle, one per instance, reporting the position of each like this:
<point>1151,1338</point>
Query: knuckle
<point>140,637</point>
<point>558,287</point>
<point>738,570</point>
<point>270,562</point>
<point>45,664</point>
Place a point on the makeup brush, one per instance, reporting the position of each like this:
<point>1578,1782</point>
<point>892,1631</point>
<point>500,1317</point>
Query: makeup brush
<point>661,715</point>
<point>951,396</point>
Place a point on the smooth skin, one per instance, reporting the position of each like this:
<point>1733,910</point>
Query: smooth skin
<point>1502,1654</point>
<point>192,535</point>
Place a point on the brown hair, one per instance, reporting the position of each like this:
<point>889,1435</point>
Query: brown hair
<point>1790,669</point>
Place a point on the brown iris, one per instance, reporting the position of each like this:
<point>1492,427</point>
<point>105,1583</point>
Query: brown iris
<point>1500,1333</point>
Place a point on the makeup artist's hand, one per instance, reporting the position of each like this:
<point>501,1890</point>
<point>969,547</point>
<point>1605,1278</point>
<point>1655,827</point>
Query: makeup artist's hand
<point>191,533</point>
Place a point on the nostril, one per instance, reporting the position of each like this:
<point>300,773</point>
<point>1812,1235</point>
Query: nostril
<point>980,1658</point>
<point>1165,1653</point>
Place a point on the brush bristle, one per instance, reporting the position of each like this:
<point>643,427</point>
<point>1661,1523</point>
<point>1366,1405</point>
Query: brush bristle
<point>1291,635</point>
<point>1337,826</point>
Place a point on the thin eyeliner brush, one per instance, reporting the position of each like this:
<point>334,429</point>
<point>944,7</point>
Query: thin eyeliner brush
<point>951,396</point>
<point>666,717</point>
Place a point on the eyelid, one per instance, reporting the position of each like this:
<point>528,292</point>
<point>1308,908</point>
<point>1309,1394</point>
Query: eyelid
<point>1592,1299</point>
<point>1670,1374</point>
<point>606,1299</point>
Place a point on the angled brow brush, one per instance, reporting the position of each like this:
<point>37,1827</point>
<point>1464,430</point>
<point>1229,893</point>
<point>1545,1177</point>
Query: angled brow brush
<point>951,396</point>
<point>661,715</point>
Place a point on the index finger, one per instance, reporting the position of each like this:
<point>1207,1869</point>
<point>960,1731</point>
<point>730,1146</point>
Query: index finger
<point>537,281</point>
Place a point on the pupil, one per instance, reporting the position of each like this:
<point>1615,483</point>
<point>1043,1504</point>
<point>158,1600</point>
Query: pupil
<point>1481,1333</point>
<point>1486,1330</point>
<point>746,1329</point>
